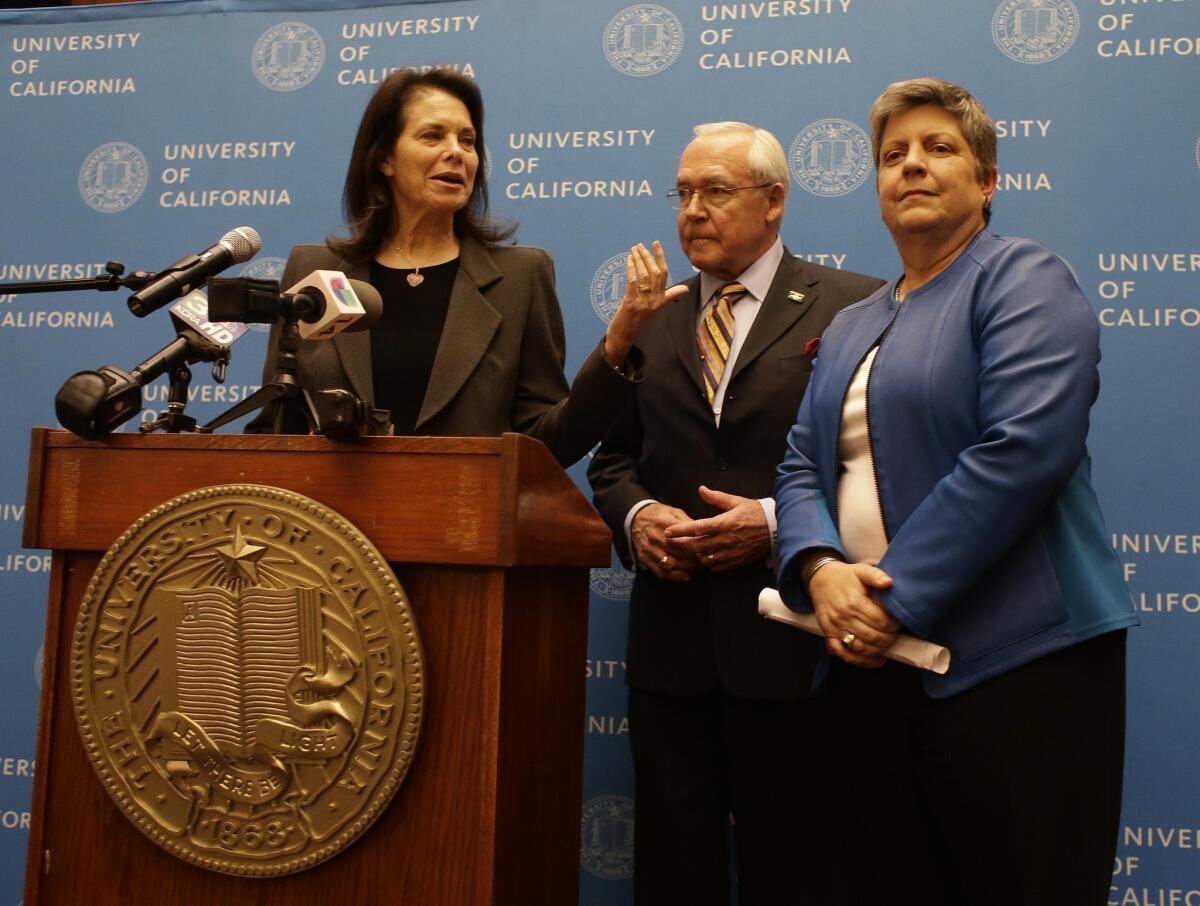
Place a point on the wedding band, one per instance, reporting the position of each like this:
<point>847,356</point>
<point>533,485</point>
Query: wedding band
<point>848,640</point>
<point>712,557</point>
<point>643,287</point>
<point>665,560</point>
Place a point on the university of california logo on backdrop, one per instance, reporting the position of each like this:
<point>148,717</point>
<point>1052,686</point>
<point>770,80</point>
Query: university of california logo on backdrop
<point>1035,31</point>
<point>268,268</point>
<point>614,583</point>
<point>830,157</point>
<point>288,56</point>
<point>113,177</point>
<point>608,286</point>
<point>643,40</point>
<point>606,837</point>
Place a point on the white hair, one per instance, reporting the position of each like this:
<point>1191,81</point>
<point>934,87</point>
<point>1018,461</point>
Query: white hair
<point>766,159</point>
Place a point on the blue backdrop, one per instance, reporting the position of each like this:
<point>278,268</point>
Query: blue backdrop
<point>143,132</point>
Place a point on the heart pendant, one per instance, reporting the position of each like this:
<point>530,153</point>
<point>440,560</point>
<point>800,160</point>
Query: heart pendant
<point>415,279</point>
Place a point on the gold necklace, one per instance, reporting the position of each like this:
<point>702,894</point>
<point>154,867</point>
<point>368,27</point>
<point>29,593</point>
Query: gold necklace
<point>414,279</point>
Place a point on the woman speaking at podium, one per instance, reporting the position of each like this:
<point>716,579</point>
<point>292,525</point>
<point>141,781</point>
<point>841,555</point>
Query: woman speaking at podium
<point>471,340</point>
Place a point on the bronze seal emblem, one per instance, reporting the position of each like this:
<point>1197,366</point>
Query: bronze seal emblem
<point>247,678</point>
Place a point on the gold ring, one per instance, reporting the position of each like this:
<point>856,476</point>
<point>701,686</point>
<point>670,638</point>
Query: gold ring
<point>665,560</point>
<point>643,287</point>
<point>848,639</point>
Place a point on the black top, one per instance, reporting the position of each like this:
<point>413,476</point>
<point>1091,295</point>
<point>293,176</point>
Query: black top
<point>405,341</point>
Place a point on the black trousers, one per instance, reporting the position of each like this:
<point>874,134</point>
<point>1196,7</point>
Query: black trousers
<point>1006,794</point>
<point>699,760</point>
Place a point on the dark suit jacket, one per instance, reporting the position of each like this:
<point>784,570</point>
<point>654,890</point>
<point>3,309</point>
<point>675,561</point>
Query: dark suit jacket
<point>706,634</point>
<point>498,367</point>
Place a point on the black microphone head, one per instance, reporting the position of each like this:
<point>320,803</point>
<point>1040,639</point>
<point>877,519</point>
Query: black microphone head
<point>243,243</point>
<point>91,404</point>
<point>372,304</point>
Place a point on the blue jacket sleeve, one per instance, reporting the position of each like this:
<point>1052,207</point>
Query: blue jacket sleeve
<point>801,513</point>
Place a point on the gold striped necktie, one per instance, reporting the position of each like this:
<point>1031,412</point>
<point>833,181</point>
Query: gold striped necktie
<point>715,336</point>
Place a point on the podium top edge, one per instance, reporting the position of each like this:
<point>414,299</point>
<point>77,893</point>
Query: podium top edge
<point>480,446</point>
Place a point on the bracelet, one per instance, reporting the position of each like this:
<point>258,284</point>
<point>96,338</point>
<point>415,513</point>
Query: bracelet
<point>815,565</point>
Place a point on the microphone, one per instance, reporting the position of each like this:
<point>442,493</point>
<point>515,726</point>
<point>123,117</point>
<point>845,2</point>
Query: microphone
<point>328,302</point>
<point>320,306</point>
<point>238,245</point>
<point>92,404</point>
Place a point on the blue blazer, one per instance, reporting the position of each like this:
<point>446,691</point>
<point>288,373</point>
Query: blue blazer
<point>978,415</point>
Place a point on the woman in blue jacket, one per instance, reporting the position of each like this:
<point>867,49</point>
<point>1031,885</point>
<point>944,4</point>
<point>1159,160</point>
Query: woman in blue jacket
<point>936,483</point>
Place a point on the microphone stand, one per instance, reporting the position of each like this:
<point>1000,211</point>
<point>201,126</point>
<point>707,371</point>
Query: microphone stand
<point>92,404</point>
<point>196,349</point>
<point>110,282</point>
<point>282,386</point>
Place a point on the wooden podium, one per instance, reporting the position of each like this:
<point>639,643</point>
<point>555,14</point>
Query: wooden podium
<point>491,542</point>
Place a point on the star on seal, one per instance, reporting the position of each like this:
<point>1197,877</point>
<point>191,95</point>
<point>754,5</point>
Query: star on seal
<point>240,559</point>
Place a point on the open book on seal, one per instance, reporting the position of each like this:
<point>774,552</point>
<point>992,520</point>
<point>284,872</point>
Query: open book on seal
<point>906,649</point>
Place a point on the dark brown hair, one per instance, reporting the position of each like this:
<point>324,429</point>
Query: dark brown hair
<point>367,197</point>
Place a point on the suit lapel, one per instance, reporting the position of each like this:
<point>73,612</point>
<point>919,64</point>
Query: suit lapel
<point>791,296</point>
<point>471,323</point>
<point>354,349</point>
<point>681,323</point>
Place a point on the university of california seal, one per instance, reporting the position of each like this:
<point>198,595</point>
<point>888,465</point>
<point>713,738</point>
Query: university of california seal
<point>608,286</point>
<point>248,679</point>
<point>606,837</point>
<point>614,583</point>
<point>643,40</point>
<point>830,157</point>
<point>1035,31</point>
<point>113,177</point>
<point>288,56</point>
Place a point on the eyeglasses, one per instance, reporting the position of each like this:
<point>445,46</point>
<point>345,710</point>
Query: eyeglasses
<point>710,196</point>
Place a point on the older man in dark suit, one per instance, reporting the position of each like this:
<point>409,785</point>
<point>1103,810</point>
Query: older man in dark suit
<point>720,723</point>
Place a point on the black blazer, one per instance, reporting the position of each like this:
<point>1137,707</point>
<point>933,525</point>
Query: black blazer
<point>706,634</point>
<point>498,367</point>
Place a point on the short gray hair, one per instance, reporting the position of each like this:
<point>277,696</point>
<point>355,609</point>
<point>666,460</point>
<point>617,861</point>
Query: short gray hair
<point>766,159</point>
<point>973,121</point>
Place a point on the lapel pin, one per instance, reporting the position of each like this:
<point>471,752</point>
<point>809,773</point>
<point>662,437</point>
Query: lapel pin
<point>795,295</point>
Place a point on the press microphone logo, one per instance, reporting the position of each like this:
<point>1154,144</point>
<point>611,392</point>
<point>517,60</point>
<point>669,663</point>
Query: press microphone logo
<point>113,177</point>
<point>344,293</point>
<point>192,309</point>
<point>288,56</point>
